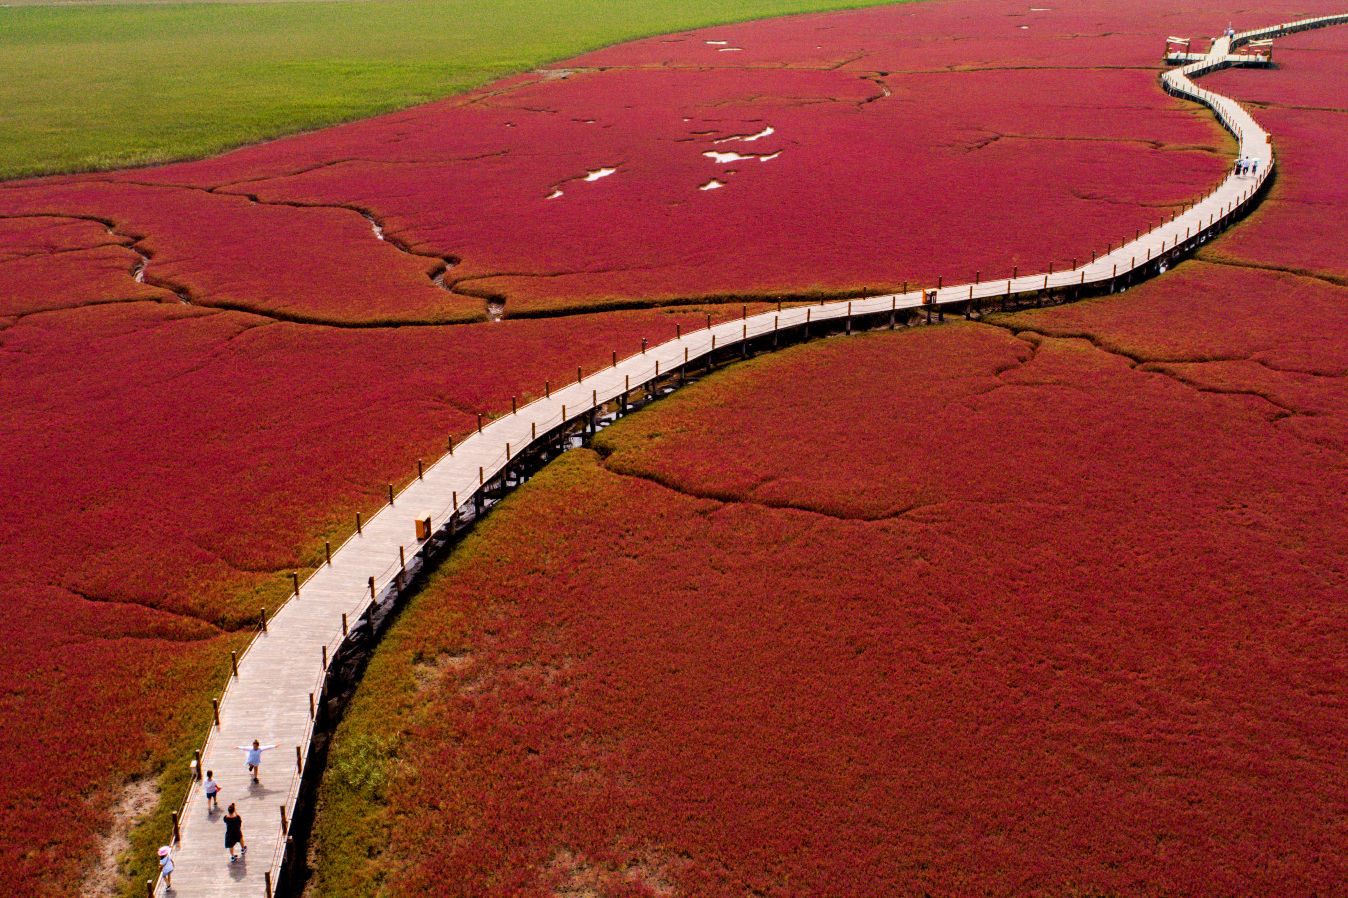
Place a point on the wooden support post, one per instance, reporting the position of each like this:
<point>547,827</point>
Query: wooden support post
<point>402,558</point>
<point>357,523</point>
<point>579,374</point>
<point>421,470</point>
<point>1050,266</point>
<point>849,319</point>
<point>939,281</point>
<point>266,884</point>
<point>657,370</point>
<point>343,623</point>
<point>1015,272</point>
<point>643,345</point>
<point>744,342</point>
<point>295,581</point>
<point>978,276</point>
<point>327,551</point>
<point>325,657</point>
<point>507,452</point>
<point>262,619</point>
<point>234,662</point>
<point>149,888</point>
<point>893,311</point>
<point>215,711</point>
<point>514,405</point>
<point>615,359</point>
<point>196,765</point>
<point>285,824</point>
<point>313,710</point>
<point>177,831</point>
<point>373,597</point>
<point>533,430</point>
<point>481,477</point>
<point>390,494</point>
<point>479,423</point>
<point>678,332</point>
<point>708,321</point>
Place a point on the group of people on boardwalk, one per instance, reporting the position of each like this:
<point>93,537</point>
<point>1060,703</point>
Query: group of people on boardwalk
<point>1246,166</point>
<point>233,819</point>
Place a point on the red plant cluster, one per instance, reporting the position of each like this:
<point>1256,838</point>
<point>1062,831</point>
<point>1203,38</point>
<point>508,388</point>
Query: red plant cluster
<point>166,467</point>
<point>902,180</point>
<point>980,619</point>
<point>1050,607</point>
<point>170,462</point>
<point>321,264</point>
<point>50,262</point>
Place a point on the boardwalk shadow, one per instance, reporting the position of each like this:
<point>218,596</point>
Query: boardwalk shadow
<point>238,870</point>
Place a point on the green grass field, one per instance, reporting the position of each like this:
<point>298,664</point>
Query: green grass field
<point>107,86</point>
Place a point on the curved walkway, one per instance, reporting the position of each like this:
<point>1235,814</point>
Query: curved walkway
<point>280,677</point>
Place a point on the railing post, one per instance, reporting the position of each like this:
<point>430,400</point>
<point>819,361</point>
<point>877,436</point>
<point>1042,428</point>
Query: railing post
<point>285,824</point>
<point>177,832</point>
<point>299,760</point>
<point>215,711</point>
<point>234,663</point>
<point>262,619</point>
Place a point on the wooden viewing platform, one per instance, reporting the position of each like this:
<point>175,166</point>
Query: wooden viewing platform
<point>279,684</point>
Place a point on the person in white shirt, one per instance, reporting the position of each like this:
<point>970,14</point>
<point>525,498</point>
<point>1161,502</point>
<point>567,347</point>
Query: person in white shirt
<point>253,757</point>
<point>212,792</point>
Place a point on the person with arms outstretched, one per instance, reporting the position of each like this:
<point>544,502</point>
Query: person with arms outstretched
<point>253,756</point>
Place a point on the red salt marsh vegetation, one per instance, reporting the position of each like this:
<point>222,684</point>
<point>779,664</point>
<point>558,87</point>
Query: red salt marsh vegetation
<point>173,460</point>
<point>168,465</point>
<point>982,620</point>
<point>1044,605</point>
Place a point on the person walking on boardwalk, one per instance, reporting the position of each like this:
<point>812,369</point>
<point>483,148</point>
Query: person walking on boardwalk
<point>253,757</point>
<point>234,834</point>
<point>166,866</point>
<point>212,793</point>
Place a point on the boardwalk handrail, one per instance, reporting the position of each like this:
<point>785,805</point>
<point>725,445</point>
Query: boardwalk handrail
<point>455,485</point>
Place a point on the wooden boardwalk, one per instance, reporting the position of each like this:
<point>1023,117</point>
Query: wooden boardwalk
<point>282,673</point>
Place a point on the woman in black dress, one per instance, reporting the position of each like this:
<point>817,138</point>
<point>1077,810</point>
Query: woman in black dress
<point>234,833</point>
